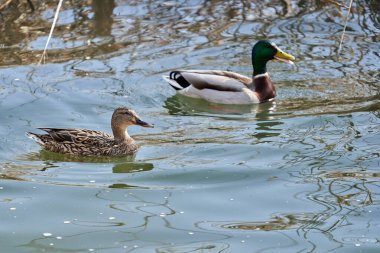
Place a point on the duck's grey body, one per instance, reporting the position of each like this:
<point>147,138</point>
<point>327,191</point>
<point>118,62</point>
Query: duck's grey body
<point>227,87</point>
<point>222,86</point>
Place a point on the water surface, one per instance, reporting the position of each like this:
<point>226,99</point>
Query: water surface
<point>299,174</point>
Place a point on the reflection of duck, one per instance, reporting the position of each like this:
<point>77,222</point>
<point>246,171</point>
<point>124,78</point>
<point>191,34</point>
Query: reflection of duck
<point>131,167</point>
<point>228,87</point>
<point>93,143</point>
<point>278,222</point>
<point>180,105</point>
<point>51,158</point>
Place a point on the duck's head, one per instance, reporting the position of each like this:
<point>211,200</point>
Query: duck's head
<point>123,117</point>
<point>264,51</point>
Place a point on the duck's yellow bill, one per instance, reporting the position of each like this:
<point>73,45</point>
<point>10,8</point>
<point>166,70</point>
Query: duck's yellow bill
<point>284,57</point>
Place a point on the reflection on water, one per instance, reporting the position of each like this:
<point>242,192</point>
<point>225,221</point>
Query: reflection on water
<point>132,167</point>
<point>352,188</point>
<point>103,20</point>
<point>29,168</point>
<point>283,222</point>
<point>52,157</point>
<point>298,174</point>
<point>181,105</point>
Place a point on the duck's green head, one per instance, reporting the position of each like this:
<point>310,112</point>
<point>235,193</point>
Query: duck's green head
<point>264,51</point>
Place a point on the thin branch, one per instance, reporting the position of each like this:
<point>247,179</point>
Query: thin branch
<point>345,26</point>
<point>43,56</point>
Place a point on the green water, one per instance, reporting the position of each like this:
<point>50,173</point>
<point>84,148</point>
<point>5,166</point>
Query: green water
<point>299,174</point>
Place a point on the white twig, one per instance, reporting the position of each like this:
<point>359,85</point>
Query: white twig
<point>345,26</point>
<point>43,56</point>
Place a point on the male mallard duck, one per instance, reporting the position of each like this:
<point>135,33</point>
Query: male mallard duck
<point>228,87</point>
<point>93,143</point>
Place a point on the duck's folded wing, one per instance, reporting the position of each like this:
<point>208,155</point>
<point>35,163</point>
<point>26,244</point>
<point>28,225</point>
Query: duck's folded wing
<point>75,135</point>
<point>216,80</point>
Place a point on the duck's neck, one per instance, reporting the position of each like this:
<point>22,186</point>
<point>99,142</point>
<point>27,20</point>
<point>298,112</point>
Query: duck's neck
<point>121,135</point>
<point>259,68</point>
<point>264,87</point>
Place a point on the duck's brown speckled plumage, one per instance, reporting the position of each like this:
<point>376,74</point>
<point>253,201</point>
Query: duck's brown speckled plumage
<point>93,143</point>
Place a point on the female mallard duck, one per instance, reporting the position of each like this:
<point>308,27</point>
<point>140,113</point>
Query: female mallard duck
<point>93,143</point>
<point>228,87</point>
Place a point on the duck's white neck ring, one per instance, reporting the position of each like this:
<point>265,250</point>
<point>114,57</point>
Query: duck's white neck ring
<point>261,75</point>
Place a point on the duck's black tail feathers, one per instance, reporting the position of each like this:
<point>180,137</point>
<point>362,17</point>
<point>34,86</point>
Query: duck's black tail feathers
<point>176,80</point>
<point>35,137</point>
